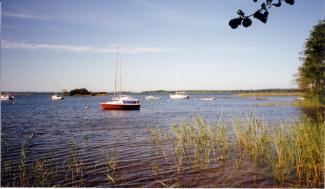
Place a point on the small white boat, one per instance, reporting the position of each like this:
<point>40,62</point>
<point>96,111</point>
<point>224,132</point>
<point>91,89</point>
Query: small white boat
<point>7,97</point>
<point>179,96</point>
<point>300,98</point>
<point>4,97</point>
<point>152,97</point>
<point>207,98</point>
<point>57,97</point>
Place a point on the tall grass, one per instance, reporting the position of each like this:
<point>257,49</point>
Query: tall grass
<point>291,153</point>
<point>111,163</point>
<point>308,103</point>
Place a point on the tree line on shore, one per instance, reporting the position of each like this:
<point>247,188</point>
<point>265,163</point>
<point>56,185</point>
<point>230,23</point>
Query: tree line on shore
<point>311,73</point>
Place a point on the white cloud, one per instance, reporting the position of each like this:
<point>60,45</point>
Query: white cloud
<point>81,49</point>
<point>24,16</point>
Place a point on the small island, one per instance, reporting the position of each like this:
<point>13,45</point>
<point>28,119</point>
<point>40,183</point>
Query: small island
<point>83,92</point>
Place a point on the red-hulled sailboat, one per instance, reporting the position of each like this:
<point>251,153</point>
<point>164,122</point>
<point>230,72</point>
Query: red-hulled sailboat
<point>119,101</point>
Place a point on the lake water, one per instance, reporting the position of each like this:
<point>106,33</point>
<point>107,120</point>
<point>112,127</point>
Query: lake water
<point>49,129</point>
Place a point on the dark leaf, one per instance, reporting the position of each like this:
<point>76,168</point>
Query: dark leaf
<point>255,1</point>
<point>262,17</point>
<point>290,2</point>
<point>257,15</point>
<point>263,6</point>
<point>277,4</point>
<point>234,23</point>
<point>247,22</point>
<point>240,12</point>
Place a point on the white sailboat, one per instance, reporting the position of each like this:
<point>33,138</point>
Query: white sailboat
<point>178,95</point>
<point>56,96</point>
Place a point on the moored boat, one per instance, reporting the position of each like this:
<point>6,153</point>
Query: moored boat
<point>152,97</point>
<point>119,101</point>
<point>122,104</point>
<point>7,97</point>
<point>207,98</point>
<point>179,96</point>
<point>57,97</point>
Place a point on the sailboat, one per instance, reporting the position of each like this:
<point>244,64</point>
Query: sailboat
<point>56,96</point>
<point>178,95</point>
<point>119,101</point>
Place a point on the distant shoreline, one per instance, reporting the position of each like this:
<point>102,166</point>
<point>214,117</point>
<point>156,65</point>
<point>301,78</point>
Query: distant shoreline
<point>259,92</point>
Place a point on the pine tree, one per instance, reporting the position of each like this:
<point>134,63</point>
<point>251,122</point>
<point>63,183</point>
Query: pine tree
<point>311,74</point>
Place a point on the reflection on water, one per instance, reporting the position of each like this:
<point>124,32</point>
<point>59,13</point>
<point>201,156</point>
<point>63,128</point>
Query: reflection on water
<point>70,137</point>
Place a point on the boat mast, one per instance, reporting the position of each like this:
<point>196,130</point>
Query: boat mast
<point>116,62</point>
<point>0,43</point>
<point>176,83</point>
<point>120,65</point>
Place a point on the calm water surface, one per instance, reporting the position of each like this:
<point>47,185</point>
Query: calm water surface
<point>49,129</point>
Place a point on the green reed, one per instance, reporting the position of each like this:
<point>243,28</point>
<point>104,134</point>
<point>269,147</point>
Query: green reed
<point>291,152</point>
<point>111,164</point>
<point>22,168</point>
<point>44,172</point>
<point>75,168</point>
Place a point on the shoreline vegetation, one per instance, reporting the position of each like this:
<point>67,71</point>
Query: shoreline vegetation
<point>85,92</point>
<point>258,94</point>
<point>283,154</point>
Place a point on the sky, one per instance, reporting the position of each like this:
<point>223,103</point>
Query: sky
<point>51,45</point>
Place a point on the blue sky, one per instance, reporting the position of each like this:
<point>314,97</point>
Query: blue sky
<point>53,45</point>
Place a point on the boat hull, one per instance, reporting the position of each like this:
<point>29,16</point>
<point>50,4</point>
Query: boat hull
<point>120,106</point>
<point>57,97</point>
<point>179,96</point>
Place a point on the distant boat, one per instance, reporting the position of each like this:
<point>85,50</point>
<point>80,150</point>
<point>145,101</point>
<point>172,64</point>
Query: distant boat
<point>57,97</point>
<point>207,98</point>
<point>119,101</point>
<point>152,97</point>
<point>7,97</point>
<point>178,95</point>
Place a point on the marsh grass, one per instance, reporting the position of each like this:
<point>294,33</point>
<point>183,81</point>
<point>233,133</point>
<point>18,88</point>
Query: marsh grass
<point>111,164</point>
<point>273,104</point>
<point>44,171</point>
<point>259,94</point>
<point>22,168</point>
<point>75,172</point>
<point>308,104</point>
<point>289,153</point>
